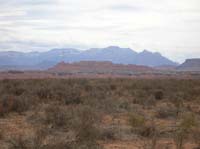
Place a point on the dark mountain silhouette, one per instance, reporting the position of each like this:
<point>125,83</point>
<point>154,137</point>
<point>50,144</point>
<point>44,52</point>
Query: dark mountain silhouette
<point>116,55</point>
<point>190,65</point>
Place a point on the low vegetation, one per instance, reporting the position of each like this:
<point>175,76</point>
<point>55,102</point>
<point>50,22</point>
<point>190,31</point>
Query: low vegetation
<point>95,113</point>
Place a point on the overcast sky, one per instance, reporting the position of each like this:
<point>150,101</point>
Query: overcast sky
<point>171,27</point>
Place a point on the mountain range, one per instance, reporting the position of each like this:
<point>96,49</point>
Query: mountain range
<point>190,65</point>
<point>114,54</point>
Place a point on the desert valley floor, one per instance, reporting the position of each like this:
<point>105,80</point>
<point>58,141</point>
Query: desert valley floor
<point>94,113</point>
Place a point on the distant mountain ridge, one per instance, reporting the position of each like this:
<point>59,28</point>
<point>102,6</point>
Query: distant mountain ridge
<point>114,54</point>
<point>190,65</point>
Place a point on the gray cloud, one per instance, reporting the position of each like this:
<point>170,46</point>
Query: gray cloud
<point>126,8</point>
<point>167,26</point>
<point>26,2</point>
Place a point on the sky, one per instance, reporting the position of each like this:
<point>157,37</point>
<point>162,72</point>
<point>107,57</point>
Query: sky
<point>171,27</point>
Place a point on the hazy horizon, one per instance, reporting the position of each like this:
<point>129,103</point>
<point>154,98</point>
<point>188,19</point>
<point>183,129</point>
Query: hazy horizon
<point>169,27</point>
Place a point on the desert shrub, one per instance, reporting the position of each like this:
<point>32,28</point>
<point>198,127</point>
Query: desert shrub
<point>149,102</point>
<point>29,142</point>
<point>113,87</point>
<point>148,131</point>
<point>17,91</point>
<point>188,121</point>
<point>21,104</point>
<point>136,120</point>
<point>178,101</point>
<point>66,94</point>
<point>107,104</point>
<point>59,146</point>
<point>196,136</point>
<point>144,129</point>
<point>13,87</point>
<point>5,105</point>
<point>72,97</point>
<point>158,94</point>
<point>75,105</point>
<point>149,134</point>
<point>87,132</point>
<point>10,103</point>
<point>143,98</point>
<point>123,104</point>
<point>56,116</point>
<point>139,95</point>
<point>184,129</point>
<point>179,138</point>
<point>40,134</point>
<point>138,100</point>
<point>88,145</point>
<point>87,88</point>
<point>108,134</point>
<point>44,93</point>
<point>19,142</point>
<point>166,111</point>
<point>1,134</point>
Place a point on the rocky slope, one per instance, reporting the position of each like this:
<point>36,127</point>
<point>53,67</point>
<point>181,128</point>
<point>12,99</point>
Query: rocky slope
<point>94,67</point>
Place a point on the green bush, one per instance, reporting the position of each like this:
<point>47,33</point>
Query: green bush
<point>136,120</point>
